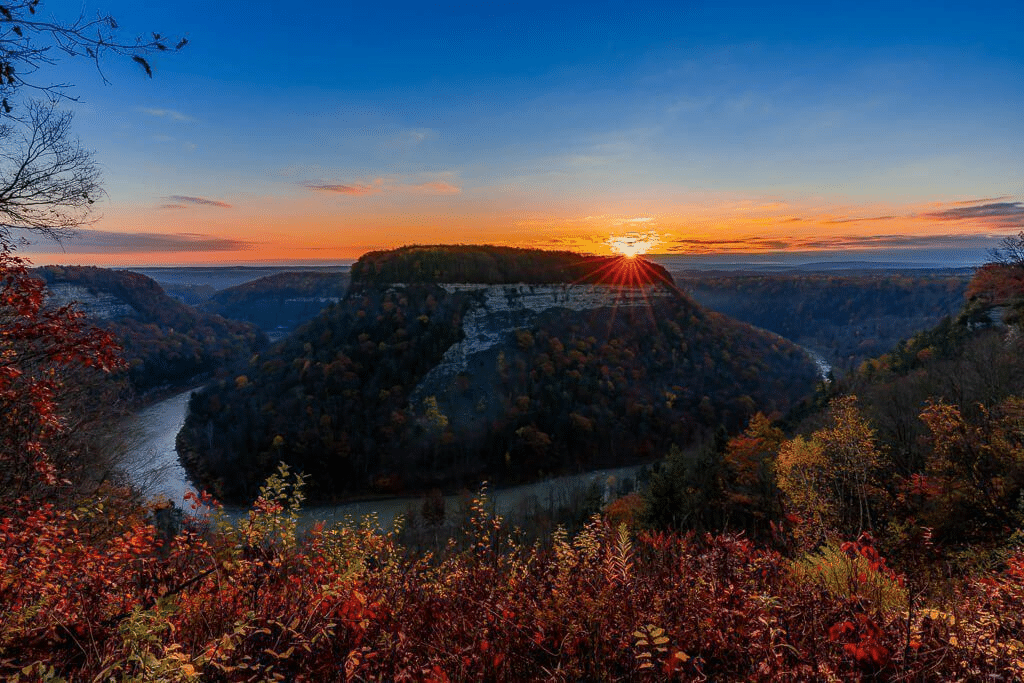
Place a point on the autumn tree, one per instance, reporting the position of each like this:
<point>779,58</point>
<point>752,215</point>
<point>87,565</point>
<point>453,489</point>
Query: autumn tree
<point>687,491</point>
<point>48,184</point>
<point>973,485</point>
<point>39,347</point>
<point>832,479</point>
<point>751,496</point>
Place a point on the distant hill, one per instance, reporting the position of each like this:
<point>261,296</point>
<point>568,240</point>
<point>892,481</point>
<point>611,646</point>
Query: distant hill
<point>846,318</point>
<point>165,341</point>
<point>280,302</point>
<point>440,368</point>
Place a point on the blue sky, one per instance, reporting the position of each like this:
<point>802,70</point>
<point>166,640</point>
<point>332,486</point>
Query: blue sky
<point>335,128</point>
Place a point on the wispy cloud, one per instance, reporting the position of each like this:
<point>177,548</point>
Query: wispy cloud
<point>178,201</point>
<point>588,222</point>
<point>340,188</point>
<point>711,246</point>
<point>997,210</point>
<point>988,213</point>
<point>108,242</point>
<point>986,200</point>
<point>385,185</point>
<point>410,138</point>
<point>837,221</point>
<point>436,187</point>
<point>166,114</point>
<point>832,243</point>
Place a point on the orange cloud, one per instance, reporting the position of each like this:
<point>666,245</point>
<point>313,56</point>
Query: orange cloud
<point>986,200</point>
<point>838,221</point>
<point>436,187</point>
<point>1002,214</point>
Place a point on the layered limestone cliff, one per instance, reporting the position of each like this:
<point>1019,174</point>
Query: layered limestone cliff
<point>101,305</point>
<point>498,310</point>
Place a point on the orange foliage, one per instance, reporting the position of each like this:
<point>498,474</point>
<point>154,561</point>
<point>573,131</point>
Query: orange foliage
<point>625,510</point>
<point>249,602</point>
<point>37,346</point>
<point>996,284</point>
<point>93,591</point>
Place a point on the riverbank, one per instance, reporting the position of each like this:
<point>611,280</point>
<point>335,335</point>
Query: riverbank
<point>152,466</point>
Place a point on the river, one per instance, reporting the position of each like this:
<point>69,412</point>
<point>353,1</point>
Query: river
<point>152,465</point>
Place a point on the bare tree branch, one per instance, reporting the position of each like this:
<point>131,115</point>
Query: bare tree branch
<point>1010,251</point>
<point>28,42</point>
<point>48,182</point>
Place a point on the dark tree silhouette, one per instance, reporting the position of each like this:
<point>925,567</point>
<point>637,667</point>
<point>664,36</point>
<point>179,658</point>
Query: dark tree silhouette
<point>48,181</point>
<point>1010,251</point>
<point>29,41</point>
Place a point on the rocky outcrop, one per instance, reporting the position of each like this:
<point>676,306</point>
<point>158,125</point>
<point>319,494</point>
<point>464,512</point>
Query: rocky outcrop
<point>497,311</point>
<point>995,296</point>
<point>100,305</point>
<point>163,341</point>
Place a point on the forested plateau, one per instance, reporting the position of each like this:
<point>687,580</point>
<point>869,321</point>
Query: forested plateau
<point>383,393</point>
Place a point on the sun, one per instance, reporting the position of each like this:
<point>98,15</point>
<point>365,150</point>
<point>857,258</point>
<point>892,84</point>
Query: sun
<point>632,244</point>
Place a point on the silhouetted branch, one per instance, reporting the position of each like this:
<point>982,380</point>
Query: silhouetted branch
<point>29,42</point>
<point>48,182</point>
<point>1010,251</point>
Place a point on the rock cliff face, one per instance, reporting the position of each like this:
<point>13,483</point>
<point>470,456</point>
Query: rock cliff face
<point>99,305</point>
<point>996,296</point>
<point>164,341</point>
<point>496,311</point>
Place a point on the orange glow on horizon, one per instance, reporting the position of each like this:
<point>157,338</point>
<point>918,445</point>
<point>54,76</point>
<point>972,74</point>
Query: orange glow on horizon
<point>269,230</point>
<point>633,244</point>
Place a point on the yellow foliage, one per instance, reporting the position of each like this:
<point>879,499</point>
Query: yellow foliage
<point>832,478</point>
<point>852,578</point>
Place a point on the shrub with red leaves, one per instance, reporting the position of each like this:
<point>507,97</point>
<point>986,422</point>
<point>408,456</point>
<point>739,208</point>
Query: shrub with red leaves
<point>39,346</point>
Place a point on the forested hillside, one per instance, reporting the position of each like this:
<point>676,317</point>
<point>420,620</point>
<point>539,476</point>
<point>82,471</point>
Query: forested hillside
<point>846,318</point>
<point>922,444</point>
<point>279,302</point>
<point>164,341</point>
<point>501,265</point>
<point>851,568</point>
<point>564,391</point>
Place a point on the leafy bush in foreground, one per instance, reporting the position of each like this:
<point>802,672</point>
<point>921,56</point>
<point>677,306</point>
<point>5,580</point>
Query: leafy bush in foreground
<point>97,595</point>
